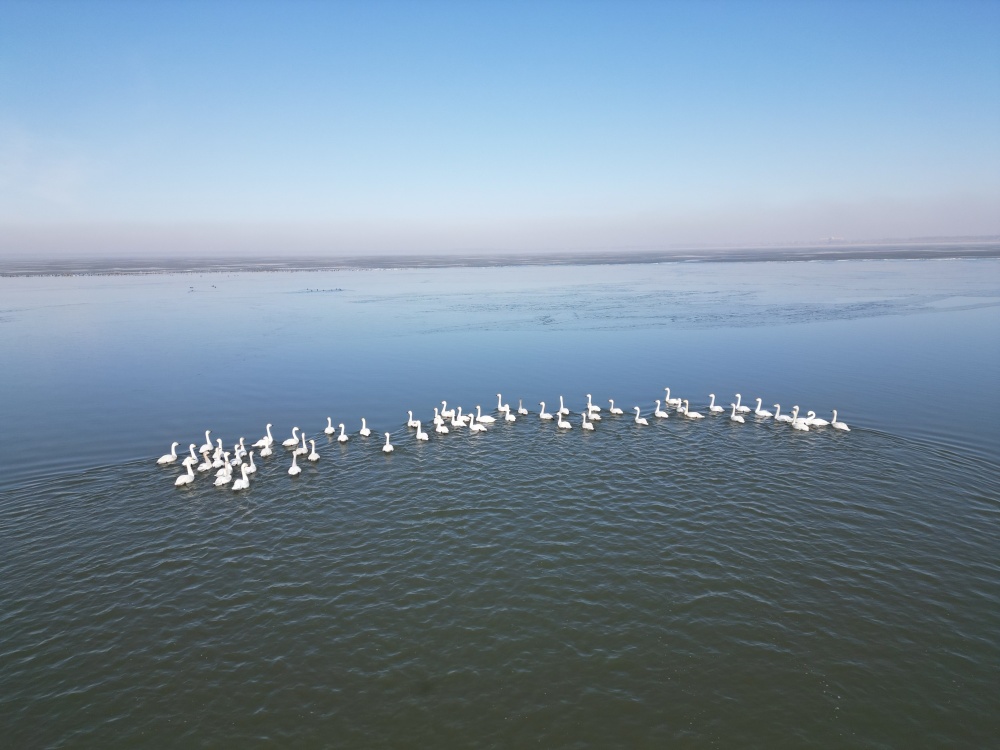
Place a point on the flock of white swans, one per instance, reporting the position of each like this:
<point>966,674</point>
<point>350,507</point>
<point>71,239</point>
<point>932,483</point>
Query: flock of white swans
<point>227,464</point>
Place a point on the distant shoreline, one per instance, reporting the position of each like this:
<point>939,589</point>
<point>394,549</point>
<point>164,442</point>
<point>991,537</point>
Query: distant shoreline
<point>124,266</point>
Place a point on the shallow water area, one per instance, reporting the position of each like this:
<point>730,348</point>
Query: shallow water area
<point>688,581</point>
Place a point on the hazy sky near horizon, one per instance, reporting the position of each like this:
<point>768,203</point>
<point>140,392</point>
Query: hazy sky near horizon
<point>353,127</point>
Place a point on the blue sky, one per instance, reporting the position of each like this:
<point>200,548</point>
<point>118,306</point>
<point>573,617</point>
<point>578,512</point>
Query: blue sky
<point>463,126</point>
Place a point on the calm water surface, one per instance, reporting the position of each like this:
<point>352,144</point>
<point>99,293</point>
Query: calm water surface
<point>696,583</point>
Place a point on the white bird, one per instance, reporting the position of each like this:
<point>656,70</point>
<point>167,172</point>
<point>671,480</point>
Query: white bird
<point>206,463</point>
<point>691,414</point>
<point>438,419</point>
<point>420,434</point>
<point>191,460</point>
<point>614,409</point>
<point>761,412</point>
<point>778,416</point>
<point>594,416</point>
<point>208,446</point>
<point>266,451</point>
<point>294,470</point>
<point>302,449</point>
<point>739,408</point>
<point>445,411</point>
<point>313,455</point>
<point>459,417</point>
<point>252,468</point>
<point>441,429</point>
<point>241,449</point>
<point>364,428</point>
<point>797,422</point>
<point>638,419</point>
<point>562,424</point>
<point>222,465</point>
<point>562,407</point>
<point>185,478</point>
<point>591,406</point>
<point>839,425</point>
<point>242,483</point>
<point>225,478</point>
<point>218,450</point>
<point>658,412</point>
<point>584,424</point>
<point>712,407</point>
<point>293,440</point>
<point>502,406</point>
<point>813,421</point>
<point>456,422</point>
<point>671,401</point>
<point>507,416</point>
<point>474,426</point>
<point>388,447</point>
<point>484,419</point>
<point>329,429</point>
<point>265,441</point>
<point>734,417</point>
<point>169,458</point>
<point>543,414</point>
<point>342,437</point>
<point>520,408</point>
<point>411,422</point>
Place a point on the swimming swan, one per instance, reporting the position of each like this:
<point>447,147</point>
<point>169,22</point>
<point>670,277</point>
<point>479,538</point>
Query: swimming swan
<point>671,401</point>
<point>520,408</point>
<point>813,421</point>
<point>562,407</point>
<point>302,449</point>
<point>208,446</point>
<point>778,416</point>
<point>741,409</point>
<point>185,478</point>
<point>252,468</point>
<point>761,412</point>
<point>243,483</point>
<point>563,424</point>
<point>797,422</point>
<point>584,424</point>
<point>590,406</point>
<point>638,419</point>
<point>364,428</point>
<point>206,463</point>
<point>479,416</point>
<point>839,425</point>
<point>342,437</point>
<point>691,414</point>
<point>712,407</point>
<point>329,429</point>
<point>614,409</point>
<point>411,422</point>
<point>191,460</point>
<point>474,426</point>
<point>658,412</point>
<point>420,434</point>
<point>293,440</point>
<point>543,414</point>
<point>168,458</point>
<point>265,441</point>
<point>313,455</point>
<point>294,470</point>
<point>734,417</point>
<point>388,447</point>
<point>441,429</point>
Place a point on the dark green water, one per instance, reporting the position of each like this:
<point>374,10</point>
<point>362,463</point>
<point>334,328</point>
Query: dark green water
<point>681,584</point>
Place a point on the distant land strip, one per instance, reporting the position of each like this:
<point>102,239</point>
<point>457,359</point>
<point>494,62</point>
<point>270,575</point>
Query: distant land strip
<point>115,266</point>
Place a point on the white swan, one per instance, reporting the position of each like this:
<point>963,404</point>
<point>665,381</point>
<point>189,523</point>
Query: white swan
<point>221,460</point>
<point>614,409</point>
<point>563,424</point>
<point>591,407</point>
<point>364,428</point>
<point>658,412</point>
<point>761,412</point>
<point>839,425</point>
<point>520,408</point>
<point>266,451</point>
<point>411,422</point>
<point>313,455</point>
<point>420,434</point>
<point>734,417</point>
<point>813,421</point>
<point>208,446</point>
<point>222,465</point>
<point>241,449</point>
<point>441,429</point>
<point>169,458</point>
<point>243,483</point>
<point>638,419</point>
<point>691,414</point>
<point>265,441</point>
<point>584,424</point>
<point>480,418</point>
<point>302,449</point>
<point>594,416</point>
<point>456,422</point>
<point>294,470</point>
<point>463,418</point>
<point>507,416</point>
<point>252,468</point>
<point>206,463</point>
<point>218,450</point>
<point>474,426</point>
<point>671,401</point>
<point>224,478</point>
<point>712,406</point>
<point>562,407</point>
<point>191,460</point>
<point>445,411</point>
<point>293,440</point>
<point>778,416</point>
<point>739,408</point>
<point>329,429</point>
<point>185,478</point>
<point>342,437</point>
<point>502,406</point>
<point>388,447</point>
<point>543,414</point>
<point>797,422</point>
<point>438,419</point>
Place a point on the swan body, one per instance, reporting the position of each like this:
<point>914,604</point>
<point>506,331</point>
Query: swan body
<point>543,414</point>
<point>456,422</point>
<point>441,429</point>
<point>420,434</point>
<point>313,455</point>
<point>485,420</point>
<point>474,426</point>
<point>761,412</point>
<point>798,423</point>
<point>691,414</point>
<point>584,424</point>
<point>739,408</point>
<point>252,467</point>
<point>329,429</point>
<point>185,478</point>
<point>169,458</point>
<point>411,422</point>
<point>208,442</point>
<point>463,418</point>
<point>507,416</point>
<point>520,409</point>
<point>778,416</point>
<point>224,479</point>
<point>712,406</point>
<point>734,417</point>
<point>813,421</point>
<point>594,416</point>
<point>223,465</point>
<point>842,426</point>
<point>671,401</point>
<point>614,409</point>
<point>342,437</point>
<point>562,407</point>
<point>302,449</point>
<point>562,424</point>
<point>638,419</point>
<point>659,413</point>
<point>445,411</point>
<point>293,440</point>
<point>241,448</point>
<point>388,447</point>
<point>438,419</point>
<point>242,483</point>
<point>191,460</point>
<point>364,431</point>
<point>206,463</point>
<point>502,406</point>
<point>266,451</point>
<point>267,440</point>
<point>591,407</point>
<point>294,470</point>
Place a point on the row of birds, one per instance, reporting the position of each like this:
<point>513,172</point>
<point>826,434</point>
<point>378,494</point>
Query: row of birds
<point>445,420</point>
